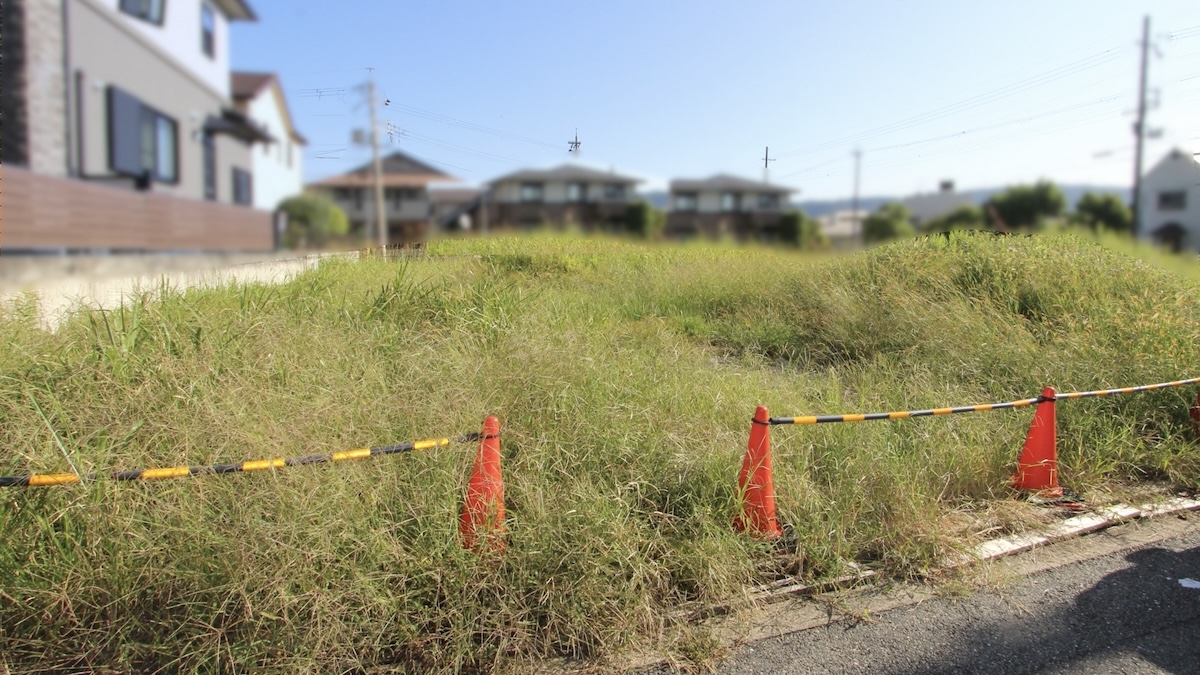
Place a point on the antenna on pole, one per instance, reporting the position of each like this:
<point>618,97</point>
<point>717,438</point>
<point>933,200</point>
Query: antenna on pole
<point>573,146</point>
<point>766,158</point>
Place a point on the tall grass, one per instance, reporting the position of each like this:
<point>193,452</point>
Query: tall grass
<point>624,377</point>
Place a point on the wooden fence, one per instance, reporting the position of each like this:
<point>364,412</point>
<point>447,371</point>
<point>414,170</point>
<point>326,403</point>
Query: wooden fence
<point>44,212</point>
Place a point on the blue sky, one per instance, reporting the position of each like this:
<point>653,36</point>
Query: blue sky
<point>984,94</point>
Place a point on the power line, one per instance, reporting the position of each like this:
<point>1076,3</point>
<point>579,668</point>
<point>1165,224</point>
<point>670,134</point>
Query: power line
<point>1025,84</point>
<point>974,130</point>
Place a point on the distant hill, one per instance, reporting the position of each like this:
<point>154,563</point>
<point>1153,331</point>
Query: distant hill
<point>821,207</point>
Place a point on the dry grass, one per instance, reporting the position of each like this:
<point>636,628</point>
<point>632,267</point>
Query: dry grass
<point>624,376</point>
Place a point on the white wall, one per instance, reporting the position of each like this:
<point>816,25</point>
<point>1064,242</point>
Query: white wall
<point>273,178</point>
<point>179,36</point>
<point>1174,173</point>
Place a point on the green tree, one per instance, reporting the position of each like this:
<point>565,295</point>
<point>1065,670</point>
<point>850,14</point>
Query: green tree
<point>1102,211</point>
<point>645,221</point>
<point>1027,206</point>
<point>312,220</point>
<point>965,217</point>
<point>891,221</point>
<point>797,229</point>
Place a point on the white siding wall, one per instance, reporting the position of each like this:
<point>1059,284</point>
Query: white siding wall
<point>1171,175</point>
<point>179,36</point>
<point>274,180</point>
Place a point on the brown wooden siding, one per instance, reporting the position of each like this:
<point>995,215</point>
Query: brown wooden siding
<point>39,212</point>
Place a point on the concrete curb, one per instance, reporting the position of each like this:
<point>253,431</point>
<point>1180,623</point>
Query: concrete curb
<point>992,549</point>
<point>57,300</point>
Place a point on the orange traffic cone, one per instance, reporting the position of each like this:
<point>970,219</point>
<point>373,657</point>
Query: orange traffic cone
<point>1195,413</point>
<point>755,483</point>
<point>483,510</point>
<point>1037,468</point>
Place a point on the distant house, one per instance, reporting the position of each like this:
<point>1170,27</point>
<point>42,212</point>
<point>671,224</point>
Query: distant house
<point>932,205</point>
<point>406,202</point>
<point>277,166</point>
<point>1170,202</point>
<point>725,205</point>
<point>843,228</point>
<point>122,99</point>
<point>455,209</point>
<point>561,196</point>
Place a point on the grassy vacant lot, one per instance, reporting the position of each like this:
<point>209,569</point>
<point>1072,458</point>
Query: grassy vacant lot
<point>624,377</point>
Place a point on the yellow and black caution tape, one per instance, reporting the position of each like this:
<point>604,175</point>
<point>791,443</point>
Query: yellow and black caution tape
<point>825,419</point>
<point>37,480</point>
<point>1128,390</point>
<point>904,414</point>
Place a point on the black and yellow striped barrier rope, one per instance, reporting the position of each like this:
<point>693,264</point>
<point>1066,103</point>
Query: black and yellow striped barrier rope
<point>905,414</point>
<point>38,480</point>
<point>1128,390</point>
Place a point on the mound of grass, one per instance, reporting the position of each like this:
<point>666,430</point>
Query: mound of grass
<point>624,377</point>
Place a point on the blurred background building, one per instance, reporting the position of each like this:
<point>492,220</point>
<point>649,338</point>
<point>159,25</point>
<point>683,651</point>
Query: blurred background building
<point>125,130</point>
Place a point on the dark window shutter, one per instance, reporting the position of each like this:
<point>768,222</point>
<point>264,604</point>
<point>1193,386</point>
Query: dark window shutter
<point>124,133</point>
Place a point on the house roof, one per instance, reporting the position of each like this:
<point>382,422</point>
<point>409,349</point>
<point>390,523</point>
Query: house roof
<point>566,172</point>
<point>724,181</point>
<point>245,86</point>
<point>399,170</point>
<point>236,10</point>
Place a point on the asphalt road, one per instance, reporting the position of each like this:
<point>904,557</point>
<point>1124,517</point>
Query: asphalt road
<point>1122,612</point>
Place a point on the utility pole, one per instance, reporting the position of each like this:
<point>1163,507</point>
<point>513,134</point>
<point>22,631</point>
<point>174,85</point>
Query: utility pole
<point>1139,127</point>
<point>766,158</point>
<point>483,209</point>
<point>854,199</point>
<point>380,216</point>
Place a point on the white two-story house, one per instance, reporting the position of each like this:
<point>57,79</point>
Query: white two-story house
<point>1170,203</point>
<point>132,95</point>
<point>725,205</point>
<point>565,195</point>
<point>277,165</point>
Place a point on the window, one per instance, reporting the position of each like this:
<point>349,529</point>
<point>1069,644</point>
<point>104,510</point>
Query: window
<point>289,154</point>
<point>614,192</point>
<point>358,199</point>
<point>1172,201</point>
<point>685,201</point>
<point>576,192</point>
<point>210,168</point>
<point>243,188</point>
<point>146,10</point>
<point>768,201</point>
<point>208,31</point>
<point>141,140</point>
<point>531,192</point>
<point>731,201</point>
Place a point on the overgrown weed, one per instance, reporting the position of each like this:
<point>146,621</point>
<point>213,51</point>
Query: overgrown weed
<point>624,376</point>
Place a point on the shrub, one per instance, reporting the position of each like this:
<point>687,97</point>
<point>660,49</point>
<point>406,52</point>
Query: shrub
<point>312,220</point>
